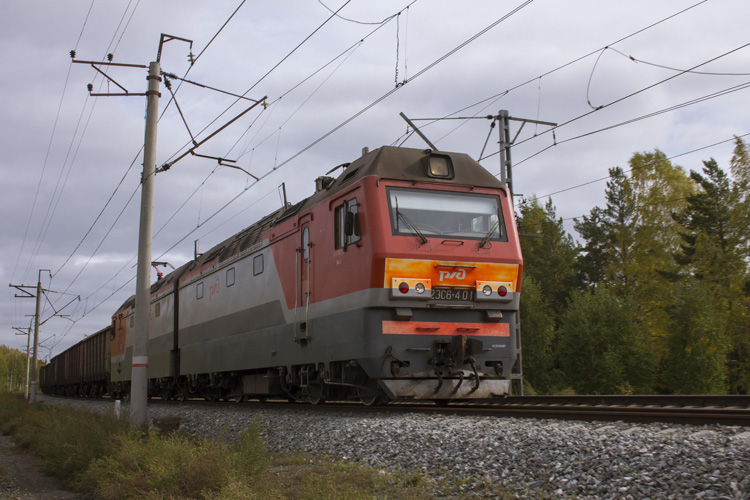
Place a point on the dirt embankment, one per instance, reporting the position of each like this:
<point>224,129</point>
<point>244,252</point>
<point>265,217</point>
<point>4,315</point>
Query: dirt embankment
<point>22,479</point>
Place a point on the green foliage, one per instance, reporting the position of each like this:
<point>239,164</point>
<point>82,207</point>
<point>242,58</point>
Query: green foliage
<point>66,439</point>
<point>250,457</point>
<point>172,466</point>
<point>602,350</point>
<point>714,256</point>
<point>698,346</point>
<point>12,369</point>
<point>548,258</point>
<point>538,327</point>
<point>104,459</point>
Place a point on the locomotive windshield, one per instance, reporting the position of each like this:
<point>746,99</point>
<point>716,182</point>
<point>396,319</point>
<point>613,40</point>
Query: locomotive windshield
<point>428,213</point>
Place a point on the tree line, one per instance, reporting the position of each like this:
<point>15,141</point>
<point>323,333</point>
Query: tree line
<point>12,369</point>
<point>654,297</point>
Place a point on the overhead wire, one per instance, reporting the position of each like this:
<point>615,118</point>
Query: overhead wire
<point>49,146</point>
<point>621,99</point>
<point>662,66</point>
<point>721,93</point>
<point>193,62</point>
<point>681,71</point>
<point>395,89</point>
<point>353,46</point>
<point>135,159</point>
<point>335,13</point>
<point>279,63</point>
<point>141,149</point>
<point>670,158</point>
<point>273,104</point>
<point>58,191</point>
<point>573,61</point>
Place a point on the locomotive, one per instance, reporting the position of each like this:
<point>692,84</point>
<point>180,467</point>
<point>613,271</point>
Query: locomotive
<point>399,279</point>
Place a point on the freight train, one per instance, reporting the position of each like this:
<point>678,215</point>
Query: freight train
<point>399,279</point>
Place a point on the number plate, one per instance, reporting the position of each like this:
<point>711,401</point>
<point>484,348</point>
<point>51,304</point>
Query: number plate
<point>452,294</point>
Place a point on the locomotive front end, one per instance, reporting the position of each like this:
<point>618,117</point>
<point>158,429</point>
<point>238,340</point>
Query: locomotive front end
<point>448,316</point>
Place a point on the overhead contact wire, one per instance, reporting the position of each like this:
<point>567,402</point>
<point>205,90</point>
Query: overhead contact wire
<point>578,59</point>
<point>393,90</point>
<point>649,163</point>
<point>139,151</point>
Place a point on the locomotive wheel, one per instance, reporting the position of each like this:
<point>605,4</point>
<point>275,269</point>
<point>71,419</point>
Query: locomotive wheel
<point>316,393</point>
<point>182,394</point>
<point>371,395</point>
<point>165,393</point>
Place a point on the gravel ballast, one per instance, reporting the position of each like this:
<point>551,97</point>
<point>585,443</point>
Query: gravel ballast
<point>531,458</point>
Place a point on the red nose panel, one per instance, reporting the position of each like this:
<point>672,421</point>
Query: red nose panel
<point>436,328</point>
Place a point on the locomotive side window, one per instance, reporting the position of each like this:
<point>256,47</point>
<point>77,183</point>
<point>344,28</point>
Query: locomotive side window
<point>199,290</point>
<point>257,264</point>
<point>157,311</point>
<point>347,229</point>
<point>230,276</point>
<point>306,244</point>
<point>431,213</point>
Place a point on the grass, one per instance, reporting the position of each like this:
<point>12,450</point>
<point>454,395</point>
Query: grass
<point>105,459</point>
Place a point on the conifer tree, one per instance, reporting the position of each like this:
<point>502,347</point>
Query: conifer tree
<point>538,335</point>
<point>714,259</point>
<point>549,252</point>
<point>602,350</point>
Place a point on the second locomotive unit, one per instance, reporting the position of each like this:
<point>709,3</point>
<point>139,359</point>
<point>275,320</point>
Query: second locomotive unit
<point>397,280</point>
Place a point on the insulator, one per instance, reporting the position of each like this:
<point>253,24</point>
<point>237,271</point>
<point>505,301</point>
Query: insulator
<point>110,56</point>
<point>72,54</point>
<point>90,86</point>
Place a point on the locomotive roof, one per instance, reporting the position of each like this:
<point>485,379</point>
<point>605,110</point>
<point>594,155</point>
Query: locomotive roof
<point>409,164</point>
<point>386,162</point>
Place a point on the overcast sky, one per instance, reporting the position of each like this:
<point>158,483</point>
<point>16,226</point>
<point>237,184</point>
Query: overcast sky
<point>67,155</point>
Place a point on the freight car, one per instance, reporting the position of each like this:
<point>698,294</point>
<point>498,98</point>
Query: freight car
<point>399,279</point>
<point>81,370</point>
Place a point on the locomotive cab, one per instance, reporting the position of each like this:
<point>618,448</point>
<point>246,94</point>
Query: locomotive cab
<point>452,268</point>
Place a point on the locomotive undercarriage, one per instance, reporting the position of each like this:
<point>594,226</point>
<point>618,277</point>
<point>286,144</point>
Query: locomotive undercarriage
<point>451,369</point>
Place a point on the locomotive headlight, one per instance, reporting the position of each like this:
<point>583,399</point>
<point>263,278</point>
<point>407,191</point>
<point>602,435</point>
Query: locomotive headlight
<point>494,291</point>
<point>410,288</point>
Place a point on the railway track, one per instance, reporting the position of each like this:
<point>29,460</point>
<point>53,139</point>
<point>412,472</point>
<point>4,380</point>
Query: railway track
<point>725,410</point>
<point>695,410</point>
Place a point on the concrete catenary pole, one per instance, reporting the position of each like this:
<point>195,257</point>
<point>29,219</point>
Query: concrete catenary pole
<point>28,364</point>
<point>32,397</point>
<point>139,378</point>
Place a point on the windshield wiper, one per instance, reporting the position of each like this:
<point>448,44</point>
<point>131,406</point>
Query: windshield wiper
<point>409,224</point>
<point>489,234</point>
<point>412,227</point>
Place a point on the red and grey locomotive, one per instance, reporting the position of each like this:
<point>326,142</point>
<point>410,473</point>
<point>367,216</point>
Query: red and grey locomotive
<point>399,279</point>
